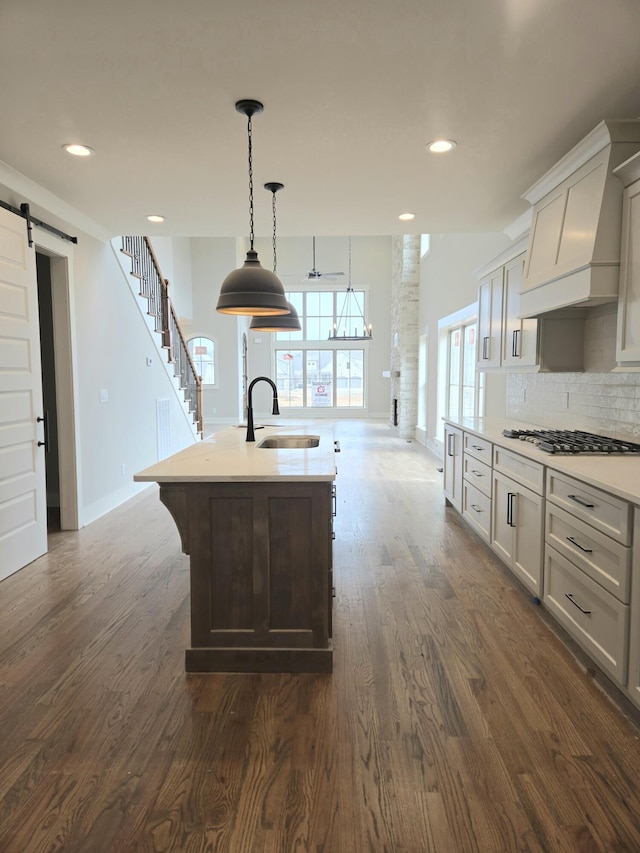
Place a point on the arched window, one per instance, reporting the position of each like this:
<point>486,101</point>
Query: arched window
<point>203,353</point>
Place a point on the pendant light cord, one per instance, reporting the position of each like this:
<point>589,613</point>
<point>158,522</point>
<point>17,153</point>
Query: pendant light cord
<point>250,147</point>
<point>273,207</point>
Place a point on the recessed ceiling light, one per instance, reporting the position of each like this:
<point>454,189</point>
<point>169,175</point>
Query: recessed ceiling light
<point>440,146</point>
<point>78,150</point>
<point>154,217</point>
<point>407,217</point>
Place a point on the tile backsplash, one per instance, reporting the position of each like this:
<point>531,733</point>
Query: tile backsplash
<point>596,400</point>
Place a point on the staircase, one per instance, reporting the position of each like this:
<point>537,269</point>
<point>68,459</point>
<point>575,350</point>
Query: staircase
<point>153,290</point>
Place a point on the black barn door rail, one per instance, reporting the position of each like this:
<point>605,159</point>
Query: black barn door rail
<point>25,213</point>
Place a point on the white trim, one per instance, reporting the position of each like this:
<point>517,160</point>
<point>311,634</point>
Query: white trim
<point>61,255</point>
<point>603,134</point>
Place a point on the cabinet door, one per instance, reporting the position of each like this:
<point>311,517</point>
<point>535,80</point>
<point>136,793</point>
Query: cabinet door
<point>628,338</point>
<point>527,539</point>
<point>504,495</point>
<point>520,337</point>
<point>490,320</point>
<point>453,466</point>
<point>517,530</point>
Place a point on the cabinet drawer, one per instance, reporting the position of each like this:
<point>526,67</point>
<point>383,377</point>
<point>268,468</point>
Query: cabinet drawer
<point>476,508</point>
<point>479,448</point>
<point>527,472</point>
<point>478,474</point>
<point>602,558</point>
<point>605,512</point>
<point>596,620</point>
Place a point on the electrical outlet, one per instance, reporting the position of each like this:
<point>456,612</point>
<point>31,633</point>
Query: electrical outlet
<point>104,395</point>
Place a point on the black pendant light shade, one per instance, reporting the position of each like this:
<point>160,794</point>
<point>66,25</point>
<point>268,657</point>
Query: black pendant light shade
<point>252,290</point>
<point>284,322</point>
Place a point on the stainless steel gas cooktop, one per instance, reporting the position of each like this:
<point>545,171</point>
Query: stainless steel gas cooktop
<point>571,441</point>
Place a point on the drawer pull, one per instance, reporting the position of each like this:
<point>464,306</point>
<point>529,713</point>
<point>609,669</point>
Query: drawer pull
<point>578,545</point>
<point>477,473</point>
<point>580,501</point>
<point>569,595</point>
<point>477,447</point>
<point>476,507</point>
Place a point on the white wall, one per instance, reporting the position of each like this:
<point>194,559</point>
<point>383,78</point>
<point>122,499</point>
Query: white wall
<point>212,259</point>
<point>447,284</point>
<point>118,437</point>
<point>174,258</point>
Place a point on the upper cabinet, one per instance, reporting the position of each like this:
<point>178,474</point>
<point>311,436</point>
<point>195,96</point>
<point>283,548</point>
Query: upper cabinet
<point>573,254</point>
<point>628,336</point>
<point>507,341</point>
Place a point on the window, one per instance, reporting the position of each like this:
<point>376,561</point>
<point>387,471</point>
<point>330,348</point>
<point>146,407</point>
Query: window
<point>317,372</point>
<point>202,351</point>
<point>460,386</point>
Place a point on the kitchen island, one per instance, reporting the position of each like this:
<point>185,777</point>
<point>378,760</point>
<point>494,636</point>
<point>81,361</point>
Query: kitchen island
<point>257,524</point>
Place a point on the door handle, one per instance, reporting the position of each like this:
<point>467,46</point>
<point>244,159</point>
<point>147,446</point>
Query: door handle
<point>44,420</point>
<point>485,347</point>
<point>450,439</point>
<point>514,343</point>
<point>510,497</point>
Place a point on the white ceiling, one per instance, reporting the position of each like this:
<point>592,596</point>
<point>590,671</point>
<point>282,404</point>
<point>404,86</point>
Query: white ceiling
<point>353,89</point>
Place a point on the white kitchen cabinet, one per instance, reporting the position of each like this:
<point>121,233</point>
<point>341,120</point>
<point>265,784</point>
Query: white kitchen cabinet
<point>516,529</point>
<point>628,333</point>
<point>453,467</point>
<point>519,336</point>
<point>633,684</point>
<point>490,320</point>
<point>587,579</point>
<point>506,340</point>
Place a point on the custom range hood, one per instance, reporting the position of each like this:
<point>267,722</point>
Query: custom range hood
<point>573,255</point>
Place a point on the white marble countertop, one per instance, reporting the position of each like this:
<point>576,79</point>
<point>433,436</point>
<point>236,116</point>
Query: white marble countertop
<point>226,456</point>
<point>618,474</point>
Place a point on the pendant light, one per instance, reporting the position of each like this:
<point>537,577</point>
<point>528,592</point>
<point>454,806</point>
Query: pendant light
<point>252,289</point>
<point>282,322</point>
<point>351,310</point>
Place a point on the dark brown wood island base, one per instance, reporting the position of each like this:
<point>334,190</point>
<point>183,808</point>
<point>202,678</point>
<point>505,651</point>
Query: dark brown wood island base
<point>260,564</point>
<point>256,519</point>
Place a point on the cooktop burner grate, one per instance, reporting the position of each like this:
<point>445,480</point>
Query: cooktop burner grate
<point>572,441</point>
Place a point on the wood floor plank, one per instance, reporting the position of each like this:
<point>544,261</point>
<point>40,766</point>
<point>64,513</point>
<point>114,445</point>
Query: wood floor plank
<point>455,721</point>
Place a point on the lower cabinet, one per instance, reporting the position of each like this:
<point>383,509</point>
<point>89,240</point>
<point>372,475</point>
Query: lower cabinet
<point>575,546</point>
<point>453,466</point>
<point>633,681</point>
<point>587,578</point>
<point>516,529</point>
<point>594,617</point>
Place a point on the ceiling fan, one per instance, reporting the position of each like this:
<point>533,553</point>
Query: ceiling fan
<point>315,275</point>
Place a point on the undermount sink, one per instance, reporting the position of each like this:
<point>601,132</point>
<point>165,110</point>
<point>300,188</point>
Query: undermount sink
<point>290,441</point>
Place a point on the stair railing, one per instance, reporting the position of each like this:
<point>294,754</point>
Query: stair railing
<point>155,288</point>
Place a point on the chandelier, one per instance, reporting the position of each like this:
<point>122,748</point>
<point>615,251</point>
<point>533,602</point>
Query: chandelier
<point>351,325</point>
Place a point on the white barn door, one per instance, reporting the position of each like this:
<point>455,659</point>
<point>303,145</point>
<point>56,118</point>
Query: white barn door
<point>23,501</point>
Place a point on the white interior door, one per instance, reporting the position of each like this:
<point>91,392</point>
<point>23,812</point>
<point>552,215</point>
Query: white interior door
<point>23,503</point>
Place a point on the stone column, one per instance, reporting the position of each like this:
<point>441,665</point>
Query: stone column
<point>405,294</point>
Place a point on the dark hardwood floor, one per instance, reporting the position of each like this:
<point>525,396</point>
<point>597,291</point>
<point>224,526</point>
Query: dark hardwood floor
<point>455,721</point>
